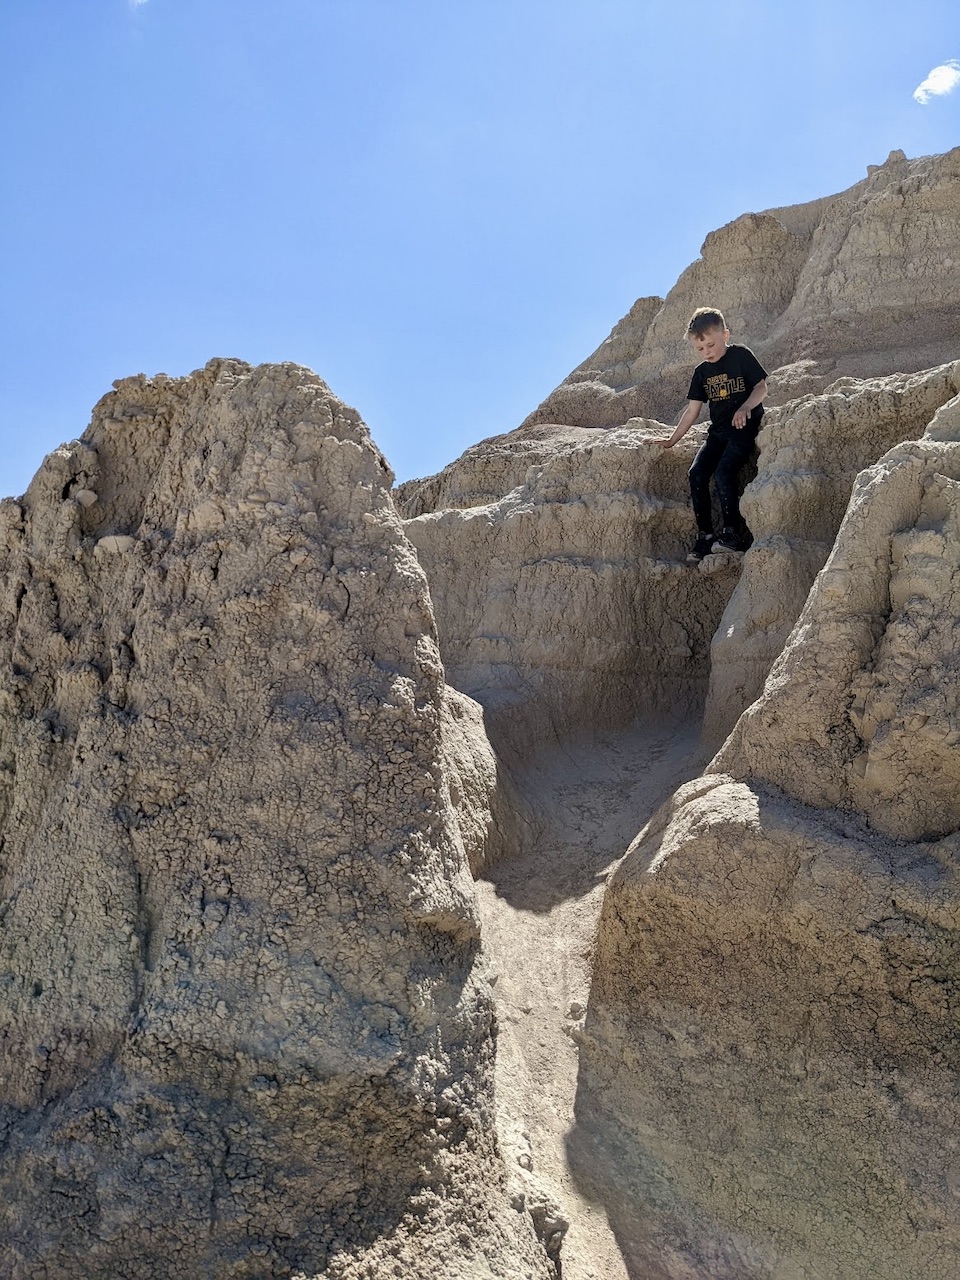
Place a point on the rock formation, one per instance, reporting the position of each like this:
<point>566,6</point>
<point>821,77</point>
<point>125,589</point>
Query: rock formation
<point>812,451</point>
<point>778,954</point>
<point>565,605</point>
<point>243,1028</point>
<point>552,552</point>
<point>863,283</point>
<point>769,1065</point>
<point>246,1028</point>
<point>563,602</point>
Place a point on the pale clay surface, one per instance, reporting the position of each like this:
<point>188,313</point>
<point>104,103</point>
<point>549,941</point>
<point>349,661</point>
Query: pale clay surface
<point>246,1025</point>
<point>778,956</point>
<point>768,1061</point>
<point>811,453</point>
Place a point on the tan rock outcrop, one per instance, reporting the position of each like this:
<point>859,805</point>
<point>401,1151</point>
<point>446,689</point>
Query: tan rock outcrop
<point>863,283</point>
<point>242,1028</point>
<point>770,1057</point>
<point>866,282</point>
<point>492,569</point>
<point>862,709</point>
<point>489,470</point>
<point>811,451</point>
<point>566,605</point>
<point>768,1063</point>
<point>244,1025</point>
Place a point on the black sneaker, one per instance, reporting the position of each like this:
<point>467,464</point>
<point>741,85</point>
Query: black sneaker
<point>701,547</point>
<point>732,540</point>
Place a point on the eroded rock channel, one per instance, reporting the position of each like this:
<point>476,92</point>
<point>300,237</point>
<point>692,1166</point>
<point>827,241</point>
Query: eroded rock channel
<point>452,883</point>
<point>757,1024</point>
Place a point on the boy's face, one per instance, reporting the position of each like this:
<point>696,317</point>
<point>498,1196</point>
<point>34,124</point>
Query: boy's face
<point>712,344</point>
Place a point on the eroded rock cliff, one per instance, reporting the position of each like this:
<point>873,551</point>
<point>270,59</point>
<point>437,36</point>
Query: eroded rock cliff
<point>863,283</point>
<point>812,450</point>
<point>771,1048</point>
<point>565,605</point>
<point>556,560</point>
<point>242,1026</point>
<point>768,1063</point>
<point>244,1030</point>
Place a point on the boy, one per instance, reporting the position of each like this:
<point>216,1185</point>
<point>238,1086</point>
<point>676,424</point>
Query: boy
<point>734,382</point>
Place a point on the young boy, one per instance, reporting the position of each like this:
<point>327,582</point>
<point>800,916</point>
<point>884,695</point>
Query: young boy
<point>733,381</point>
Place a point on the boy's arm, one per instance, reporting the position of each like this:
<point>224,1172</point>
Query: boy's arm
<point>751,402</point>
<point>686,420</point>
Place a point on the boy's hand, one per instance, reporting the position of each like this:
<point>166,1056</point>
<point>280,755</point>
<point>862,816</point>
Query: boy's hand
<point>684,423</point>
<point>742,415</point>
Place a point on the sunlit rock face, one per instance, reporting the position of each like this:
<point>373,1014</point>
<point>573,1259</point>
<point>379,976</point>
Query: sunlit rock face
<point>565,605</point>
<point>771,1048</point>
<point>861,711</point>
<point>769,1059</point>
<point>243,1027</point>
<point>812,450</point>
<point>552,550</point>
<point>863,283</point>
<point>242,1031</point>
<point>556,560</point>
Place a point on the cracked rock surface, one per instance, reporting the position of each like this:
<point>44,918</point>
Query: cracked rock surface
<point>811,452</point>
<point>242,1027</point>
<point>566,604</point>
<point>246,1020</point>
<point>770,1056</point>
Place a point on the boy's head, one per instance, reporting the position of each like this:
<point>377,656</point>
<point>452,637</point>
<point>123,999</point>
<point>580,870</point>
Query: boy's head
<point>709,334</point>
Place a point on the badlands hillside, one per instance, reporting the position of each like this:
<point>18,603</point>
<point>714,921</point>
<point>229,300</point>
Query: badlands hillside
<point>452,881</point>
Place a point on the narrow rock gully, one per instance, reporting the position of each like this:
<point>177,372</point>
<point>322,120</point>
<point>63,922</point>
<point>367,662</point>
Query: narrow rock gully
<point>539,915</point>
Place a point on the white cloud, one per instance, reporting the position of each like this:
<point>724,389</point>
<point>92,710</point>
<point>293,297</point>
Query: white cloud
<point>941,80</point>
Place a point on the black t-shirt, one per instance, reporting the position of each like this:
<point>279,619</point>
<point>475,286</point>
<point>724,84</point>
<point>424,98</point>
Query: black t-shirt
<point>726,383</point>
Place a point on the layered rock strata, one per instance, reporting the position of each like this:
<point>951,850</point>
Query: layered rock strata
<point>811,451</point>
<point>242,1028</point>
<point>565,604</point>
<point>863,283</point>
<point>770,1058</point>
<point>496,529</point>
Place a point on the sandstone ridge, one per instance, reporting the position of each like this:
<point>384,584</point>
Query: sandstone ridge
<point>768,1065</point>
<point>777,956</point>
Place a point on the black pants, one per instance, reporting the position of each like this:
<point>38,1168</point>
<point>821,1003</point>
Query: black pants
<point>723,455</point>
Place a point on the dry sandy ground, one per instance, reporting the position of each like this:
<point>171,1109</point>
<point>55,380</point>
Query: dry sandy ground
<point>539,915</point>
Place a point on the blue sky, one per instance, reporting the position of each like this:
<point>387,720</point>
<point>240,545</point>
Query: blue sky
<point>441,206</point>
